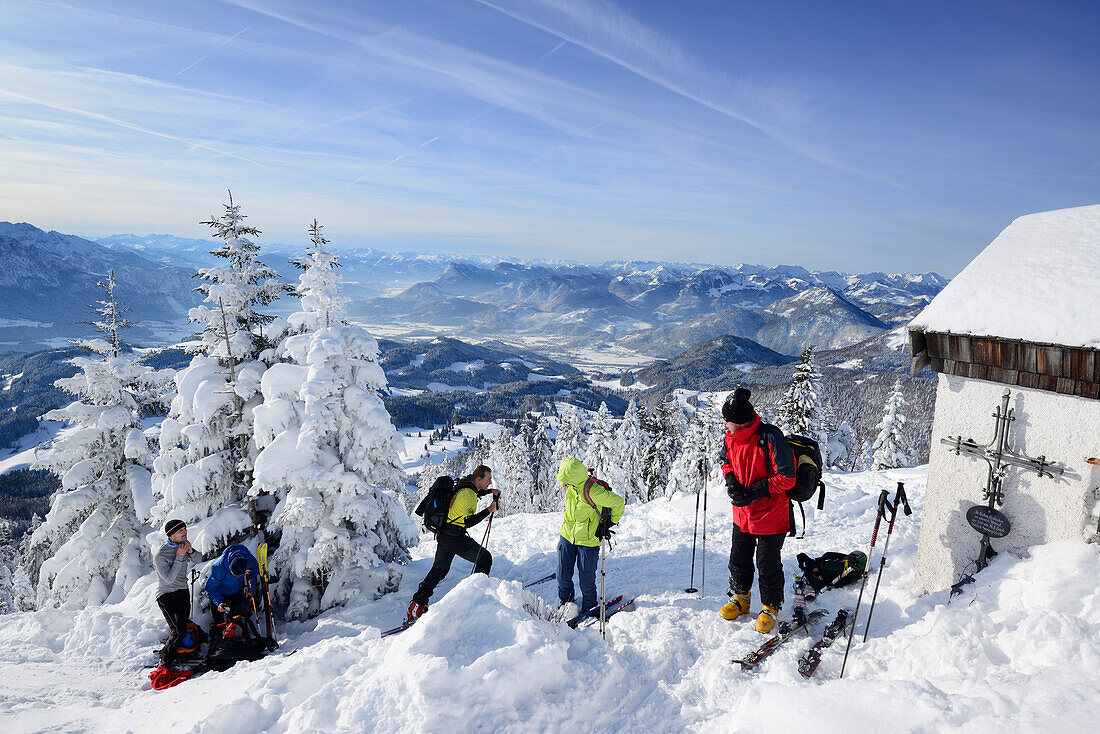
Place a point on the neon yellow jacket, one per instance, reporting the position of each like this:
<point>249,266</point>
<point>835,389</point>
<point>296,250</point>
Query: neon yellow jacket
<point>463,504</point>
<point>582,496</point>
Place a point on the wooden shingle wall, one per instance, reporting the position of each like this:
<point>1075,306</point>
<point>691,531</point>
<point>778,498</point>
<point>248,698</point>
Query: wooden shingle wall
<point>1066,370</point>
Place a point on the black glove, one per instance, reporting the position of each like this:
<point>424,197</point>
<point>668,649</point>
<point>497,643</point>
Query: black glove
<point>733,487</point>
<point>603,528</point>
<point>745,496</point>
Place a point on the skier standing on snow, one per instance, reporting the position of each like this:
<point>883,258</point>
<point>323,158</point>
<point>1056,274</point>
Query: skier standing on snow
<point>454,541</point>
<point>233,584</point>
<point>173,599</point>
<point>590,509</point>
<point>759,467</point>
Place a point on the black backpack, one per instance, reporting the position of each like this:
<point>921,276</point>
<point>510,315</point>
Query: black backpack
<point>436,505</point>
<point>234,641</point>
<point>807,476</point>
<point>832,570</point>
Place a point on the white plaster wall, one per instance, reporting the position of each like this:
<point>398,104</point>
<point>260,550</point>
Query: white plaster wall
<point>1065,429</point>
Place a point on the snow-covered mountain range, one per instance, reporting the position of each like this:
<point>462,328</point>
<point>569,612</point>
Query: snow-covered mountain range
<point>49,281</point>
<point>654,309</point>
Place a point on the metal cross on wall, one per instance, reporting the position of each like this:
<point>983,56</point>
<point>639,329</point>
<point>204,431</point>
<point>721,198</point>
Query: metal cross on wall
<point>988,520</point>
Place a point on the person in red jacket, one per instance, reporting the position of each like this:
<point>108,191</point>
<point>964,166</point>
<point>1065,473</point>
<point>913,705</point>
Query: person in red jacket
<point>759,467</point>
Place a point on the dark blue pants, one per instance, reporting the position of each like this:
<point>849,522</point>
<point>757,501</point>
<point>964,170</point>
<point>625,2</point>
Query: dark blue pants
<point>586,559</point>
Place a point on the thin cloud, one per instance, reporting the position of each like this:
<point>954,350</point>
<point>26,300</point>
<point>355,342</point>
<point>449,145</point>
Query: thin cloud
<point>192,144</point>
<point>616,36</point>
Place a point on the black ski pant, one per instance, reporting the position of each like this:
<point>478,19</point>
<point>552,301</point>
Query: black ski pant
<point>767,549</point>
<point>446,548</point>
<point>176,607</point>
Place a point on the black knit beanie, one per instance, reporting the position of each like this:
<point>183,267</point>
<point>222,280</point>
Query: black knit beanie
<point>737,408</point>
<point>173,526</point>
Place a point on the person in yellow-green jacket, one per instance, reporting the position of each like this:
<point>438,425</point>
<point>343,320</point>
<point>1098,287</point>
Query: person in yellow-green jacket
<point>590,509</point>
<point>453,540</point>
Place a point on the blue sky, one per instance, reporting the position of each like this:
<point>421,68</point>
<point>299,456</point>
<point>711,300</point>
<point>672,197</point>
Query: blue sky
<point>855,136</point>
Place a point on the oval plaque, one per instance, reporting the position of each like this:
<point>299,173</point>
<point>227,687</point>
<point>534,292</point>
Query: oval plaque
<point>988,521</point>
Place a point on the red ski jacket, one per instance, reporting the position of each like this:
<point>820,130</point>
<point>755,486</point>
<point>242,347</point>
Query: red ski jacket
<point>744,455</point>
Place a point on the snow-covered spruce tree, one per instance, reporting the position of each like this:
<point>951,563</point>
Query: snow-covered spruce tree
<point>843,446</point>
<point>500,459</point>
<point>204,470</point>
<point>891,447</point>
<point>800,410</point>
<point>545,494</point>
<point>570,441</point>
<point>518,483</point>
<point>599,455</point>
<point>684,475</point>
<point>630,450</point>
<point>714,435</point>
<point>328,453</point>
<point>16,594</point>
<point>667,428</point>
<point>90,543</point>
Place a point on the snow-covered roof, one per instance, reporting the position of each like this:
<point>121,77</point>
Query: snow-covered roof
<point>1039,281</point>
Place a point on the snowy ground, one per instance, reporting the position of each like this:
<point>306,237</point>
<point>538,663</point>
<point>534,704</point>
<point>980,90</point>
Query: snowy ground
<point>1018,650</point>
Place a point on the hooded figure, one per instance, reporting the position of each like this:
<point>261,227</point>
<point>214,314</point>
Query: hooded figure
<point>234,577</point>
<point>587,502</point>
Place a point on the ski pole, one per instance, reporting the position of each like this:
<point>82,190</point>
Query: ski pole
<point>883,498</point>
<point>603,596</point>
<point>484,542</point>
<point>703,582</point>
<point>691,584</point>
<point>194,578</point>
<point>899,498</point>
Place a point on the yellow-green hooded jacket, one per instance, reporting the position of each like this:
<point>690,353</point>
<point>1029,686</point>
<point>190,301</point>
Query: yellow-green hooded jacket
<point>582,498</point>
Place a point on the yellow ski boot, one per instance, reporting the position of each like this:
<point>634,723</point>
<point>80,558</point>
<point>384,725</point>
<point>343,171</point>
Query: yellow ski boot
<point>738,606</point>
<point>765,622</point>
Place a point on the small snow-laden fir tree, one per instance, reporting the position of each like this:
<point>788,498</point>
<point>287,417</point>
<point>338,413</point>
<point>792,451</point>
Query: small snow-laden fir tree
<point>329,455</point>
<point>203,472</point>
<point>684,475</point>
<point>630,450</point>
<point>476,456</point>
<point>843,446</point>
<point>518,484</point>
<point>500,459</point>
<point>570,441</point>
<point>16,594</point>
<point>891,447</point>
<point>599,455</point>
<point>546,495</point>
<point>90,544</point>
<point>667,428</point>
<point>714,436</point>
<point>800,410</point>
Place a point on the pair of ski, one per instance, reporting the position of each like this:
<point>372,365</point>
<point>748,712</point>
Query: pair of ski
<point>807,664</point>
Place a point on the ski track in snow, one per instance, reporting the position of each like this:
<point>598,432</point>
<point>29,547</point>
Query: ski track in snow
<point>1019,648</point>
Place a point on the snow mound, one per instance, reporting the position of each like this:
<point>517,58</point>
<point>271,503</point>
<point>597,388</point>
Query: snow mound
<point>1018,649</point>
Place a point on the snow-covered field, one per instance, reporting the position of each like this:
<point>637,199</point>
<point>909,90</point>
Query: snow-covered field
<point>1018,650</point>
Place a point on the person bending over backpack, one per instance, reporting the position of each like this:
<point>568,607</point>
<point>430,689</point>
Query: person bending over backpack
<point>233,583</point>
<point>759,468</point>
<point>170,563</point>
<point>590,509</point>
<point>453,540</point>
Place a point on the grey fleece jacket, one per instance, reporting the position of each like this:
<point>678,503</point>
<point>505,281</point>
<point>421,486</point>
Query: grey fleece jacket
<point>171,570</point>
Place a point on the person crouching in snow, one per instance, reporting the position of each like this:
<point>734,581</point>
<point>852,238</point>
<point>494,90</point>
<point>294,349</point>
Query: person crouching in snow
<point>759,467</point>
<point>453,540</point>
<point>590,508</point>
<point>233,584</point>
<point>173,599</point>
